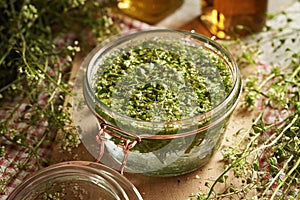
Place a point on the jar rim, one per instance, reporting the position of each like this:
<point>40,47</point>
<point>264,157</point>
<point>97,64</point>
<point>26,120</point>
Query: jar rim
<point>209,43</point>
<point>119,183</point>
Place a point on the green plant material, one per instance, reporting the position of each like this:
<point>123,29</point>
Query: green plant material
<point>162,81</point>
<point>266,161</point>
<point>165,80</point>
<point>275,162</point>
<point>39,40</point>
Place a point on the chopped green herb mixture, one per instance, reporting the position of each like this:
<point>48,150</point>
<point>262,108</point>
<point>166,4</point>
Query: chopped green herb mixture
<point>162,80</point>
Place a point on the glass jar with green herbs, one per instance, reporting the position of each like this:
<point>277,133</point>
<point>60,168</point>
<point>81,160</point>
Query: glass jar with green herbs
<point>80,180</point>
<point>163,99</point>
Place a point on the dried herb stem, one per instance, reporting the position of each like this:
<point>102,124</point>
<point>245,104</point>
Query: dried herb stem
<point>36,53</point>
<point>288,175</point>
<point>285,166</point>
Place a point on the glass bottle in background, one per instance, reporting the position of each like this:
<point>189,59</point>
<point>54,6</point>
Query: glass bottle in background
<point>229,18</point>
<point>150,11</point>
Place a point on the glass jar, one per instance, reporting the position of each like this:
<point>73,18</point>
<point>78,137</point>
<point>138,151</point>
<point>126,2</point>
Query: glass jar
<point>161,147</point>
<point>76,180</point>
<point>150,11</point>
<point>231,18</point>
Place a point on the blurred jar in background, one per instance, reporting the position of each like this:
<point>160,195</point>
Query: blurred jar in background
<point>150,11</point>
<point>230,18</point>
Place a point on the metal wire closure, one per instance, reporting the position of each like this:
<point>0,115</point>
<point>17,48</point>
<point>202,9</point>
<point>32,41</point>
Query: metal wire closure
<point>130,140</point>
<point>100,138</point>
<point>126,147</point>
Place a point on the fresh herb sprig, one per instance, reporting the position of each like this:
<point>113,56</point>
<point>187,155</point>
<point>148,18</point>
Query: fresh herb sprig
<point>39,40</point>
<point>265,164</point>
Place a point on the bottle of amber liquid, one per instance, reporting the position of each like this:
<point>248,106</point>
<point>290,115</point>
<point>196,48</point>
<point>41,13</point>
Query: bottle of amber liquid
<point>150,11</point>
<point>230,18</point>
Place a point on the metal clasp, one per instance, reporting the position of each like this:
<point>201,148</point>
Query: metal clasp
<point>129,142</point>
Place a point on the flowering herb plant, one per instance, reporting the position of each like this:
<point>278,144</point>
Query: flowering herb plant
<point>39,40</point>
<point>265,162</point>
